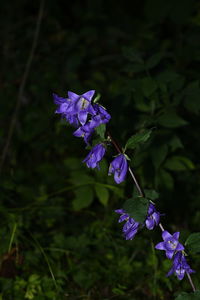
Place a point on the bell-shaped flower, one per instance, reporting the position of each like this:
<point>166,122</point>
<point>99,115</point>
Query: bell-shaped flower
<point>171,244</point>
<point>119,167</point>
<point>82,105</point>
<point>84,131</point>
<point>101,116</point>
<point>95,156</point>
<point>180,266</point>
<point>131,227</point>
<point>153,217</point>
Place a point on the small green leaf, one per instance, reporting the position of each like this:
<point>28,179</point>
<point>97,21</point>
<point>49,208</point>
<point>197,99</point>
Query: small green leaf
<point>84,197</point>
<point>138,138</point>
<point>170,119</point>
<point>151,194</point>
<point>189,296</point>
<point>137,208</point>
<point>193,242</point>
<point>102,194</point>
<point>175,143</point>
<point>100,130</point>
<point>179,163</point>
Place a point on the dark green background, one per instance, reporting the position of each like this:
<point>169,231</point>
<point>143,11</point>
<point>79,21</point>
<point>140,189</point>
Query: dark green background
<point>57,216</point>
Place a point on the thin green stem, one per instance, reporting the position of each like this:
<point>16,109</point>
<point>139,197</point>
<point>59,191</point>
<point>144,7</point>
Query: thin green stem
<point>12,237</point>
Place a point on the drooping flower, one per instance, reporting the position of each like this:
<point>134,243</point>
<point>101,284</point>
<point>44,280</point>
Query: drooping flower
<point>119,167</point>
<point>131,227</point>
<point>153,217</point>
<point>171,244</point>
<point>64,105</point>
<point>95,156</point>
<point>101,116</point>
<point>180,266</point>
<point>84,131</point>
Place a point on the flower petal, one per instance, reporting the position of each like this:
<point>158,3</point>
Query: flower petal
<point>166,235</point>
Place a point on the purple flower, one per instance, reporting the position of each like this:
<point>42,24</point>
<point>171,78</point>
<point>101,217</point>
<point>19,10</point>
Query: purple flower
<point>170,244</point>
<point>153,217</point>
<point>84,131</point>
<point>119,167</point>
<point>95,156</point>
<point>64,104</point>
<point>101,116</point>
<point>82,105</point>
<point>130,228</point>
<point>180,266</point>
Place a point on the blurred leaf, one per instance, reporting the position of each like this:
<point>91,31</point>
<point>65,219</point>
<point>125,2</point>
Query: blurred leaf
<point>175,143</point>
<point>158,155</point>
<point>189,296</point>
<point>179,163</point>
<point>102,194</point>
<point>154,60</point>
<point>148,86</point>
<point>137,208</point>
<point>170,119</point>
<point>132,54</point>
<point>84,197</point>
<point>193,242</point>
<point>192,97</point>
<point>165,179</point>
<point>138,138</point>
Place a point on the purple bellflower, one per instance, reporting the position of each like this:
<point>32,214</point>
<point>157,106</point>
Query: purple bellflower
<point>84,131</point>
<point>82,105</point>
<point>95,156</point>
<point>180,266</point>
<point>130,228</point>
<point>101,116</point>
<point>153,217</point>
<point>171,244</point>
<point>119,167</point>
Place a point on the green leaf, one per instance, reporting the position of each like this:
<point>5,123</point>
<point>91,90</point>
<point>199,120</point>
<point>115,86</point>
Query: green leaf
<point>138,138</point>
<point>193,242</point>
<point>100,130</point>
<point>179,163</point>
<point>154,60</point>
<point>189,296</point>
<point>158,155</point>
<point>165,179</point>
<point>170,119</point>
<point>148,86</point>
<point>175,143</point>
<point>84,197</point>
<point>137,208</point>
<point>151,194</point>
<point>102,194</point>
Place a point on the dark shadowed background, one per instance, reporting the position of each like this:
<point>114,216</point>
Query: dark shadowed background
<point>59,234</point>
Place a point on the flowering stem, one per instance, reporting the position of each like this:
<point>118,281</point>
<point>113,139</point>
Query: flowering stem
<point>119,150</point>
<point>142,194</point>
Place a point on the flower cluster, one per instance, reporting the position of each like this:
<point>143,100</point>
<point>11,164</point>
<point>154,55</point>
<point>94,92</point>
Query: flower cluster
<point>131,227</point>
<point>174,249</point>
<point>80,112</point>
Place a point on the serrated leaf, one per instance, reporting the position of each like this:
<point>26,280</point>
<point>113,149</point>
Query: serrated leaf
<point>151,194</point>
<point>179,163</point>
<point>170,119</point>
<point>84,197</point>
<point>137,208</point>
<point>100,130</point>
<point>189,296</point>
<point>138,138</point>
<point>193,242</point>
<point>102,194</point>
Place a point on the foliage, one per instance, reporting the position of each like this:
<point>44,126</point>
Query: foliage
<point>59,233</point>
